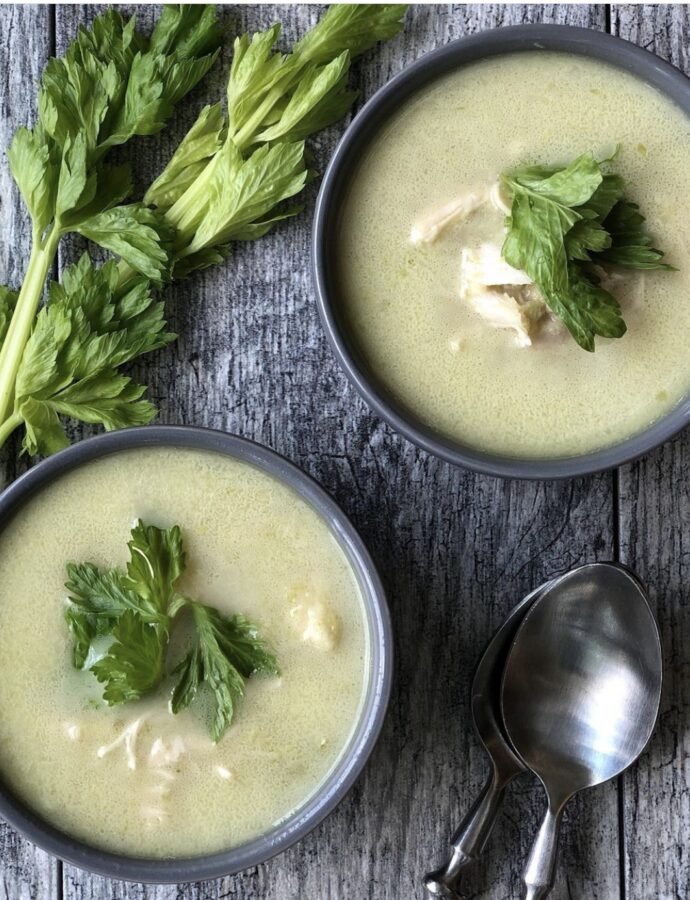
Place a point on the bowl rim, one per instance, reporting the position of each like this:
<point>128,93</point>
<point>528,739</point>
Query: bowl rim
<point>373,707</point>
<point>587,42</point>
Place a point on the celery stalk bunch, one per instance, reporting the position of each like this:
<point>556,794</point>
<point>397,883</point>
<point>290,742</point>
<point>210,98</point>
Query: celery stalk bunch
<point>233,177</point>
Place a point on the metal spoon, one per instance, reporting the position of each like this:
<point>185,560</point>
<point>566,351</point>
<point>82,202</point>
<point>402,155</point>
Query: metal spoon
<point>581,693</point>
<point>471,836</point>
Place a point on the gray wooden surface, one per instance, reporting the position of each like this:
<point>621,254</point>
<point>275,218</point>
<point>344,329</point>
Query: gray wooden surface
<point>456,550</point>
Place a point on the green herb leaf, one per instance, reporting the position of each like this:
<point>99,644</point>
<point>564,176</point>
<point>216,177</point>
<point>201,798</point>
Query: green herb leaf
<point>80,339</point>
<point>242,192</point>
<point>105,594</point>
<point>157,561</point>
<point>609,192</point>
<point>111,84</point>
<point>230,179</point>
<point>225,653</point>
<point>136,612</point>
<point>258,81</point>
<point>135,233</point>
<point>34,163</point>
<point>99,599</point>
<point>187,30</point>
<point>536,239</point>
<point>561,219</point>
<point>134,663</point>
<point>110,187</point>
<point>83,630</point>
<point>571,186</point>
<point>319,100</point>
<point>43,432</point>
<point>96,601</point>
<point>355,27</point>
<point>630,246</point>
<point>587,310</point>
<point>585,237</point>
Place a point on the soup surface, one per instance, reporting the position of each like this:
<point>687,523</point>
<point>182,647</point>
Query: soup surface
<point>135,778</point>
<point>429,348</point>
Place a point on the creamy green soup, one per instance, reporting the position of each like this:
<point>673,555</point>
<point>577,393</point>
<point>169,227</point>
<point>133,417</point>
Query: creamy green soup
<point>136,779</point>
<point>431,350</point>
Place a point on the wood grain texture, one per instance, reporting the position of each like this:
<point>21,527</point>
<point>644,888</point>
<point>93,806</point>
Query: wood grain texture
<point>26,873</point>
<point>654,514</point>
<point>456,550</point>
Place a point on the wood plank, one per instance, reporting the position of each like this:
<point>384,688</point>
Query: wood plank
<point>654,511</point>
<point>456,550</point>
<point>25,45</point>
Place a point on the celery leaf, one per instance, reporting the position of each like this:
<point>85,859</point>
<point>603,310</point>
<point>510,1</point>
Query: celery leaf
<point>134,614</point>
<point>224,654</point>
<point>70,364</point>
<point>562,222</point>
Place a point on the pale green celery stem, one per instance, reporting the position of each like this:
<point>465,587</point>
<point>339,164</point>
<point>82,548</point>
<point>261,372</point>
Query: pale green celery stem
<point>185,214</point>
<point>19,331</point>
<point>126,274</point>
<point>245,137</point>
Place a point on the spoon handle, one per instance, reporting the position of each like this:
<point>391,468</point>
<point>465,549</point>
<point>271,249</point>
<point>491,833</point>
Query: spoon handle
<point>540,873</point>
<point>469,839</point>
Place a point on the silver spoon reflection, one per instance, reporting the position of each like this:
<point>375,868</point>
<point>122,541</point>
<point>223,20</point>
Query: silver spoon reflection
<point>581,692</point>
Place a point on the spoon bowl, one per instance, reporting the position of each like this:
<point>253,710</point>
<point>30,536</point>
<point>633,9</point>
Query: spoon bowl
<point>581,692</point>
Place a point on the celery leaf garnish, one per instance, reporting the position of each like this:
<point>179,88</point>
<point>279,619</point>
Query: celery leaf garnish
<point>225,653</point>
<point>133,613</point>
<point>565,221</point>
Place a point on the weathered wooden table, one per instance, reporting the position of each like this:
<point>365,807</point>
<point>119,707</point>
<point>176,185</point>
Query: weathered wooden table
<point>456,550</point>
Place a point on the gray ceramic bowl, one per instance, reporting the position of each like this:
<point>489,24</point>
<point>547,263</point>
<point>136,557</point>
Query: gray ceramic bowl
<point>386,101</point>
<point>362,741</point>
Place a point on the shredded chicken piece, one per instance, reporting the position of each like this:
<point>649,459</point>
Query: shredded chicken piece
<point>161,759</point>
<point>498,197</point>
<point>486,267</point>
<point>128,738</point>
<point>318,623</point>
<point>430,226</point>
<point>323,627</point>
<point>314,618</point>
<point>162,754</point>
<point>504,296</point>
<point>503,311</point>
